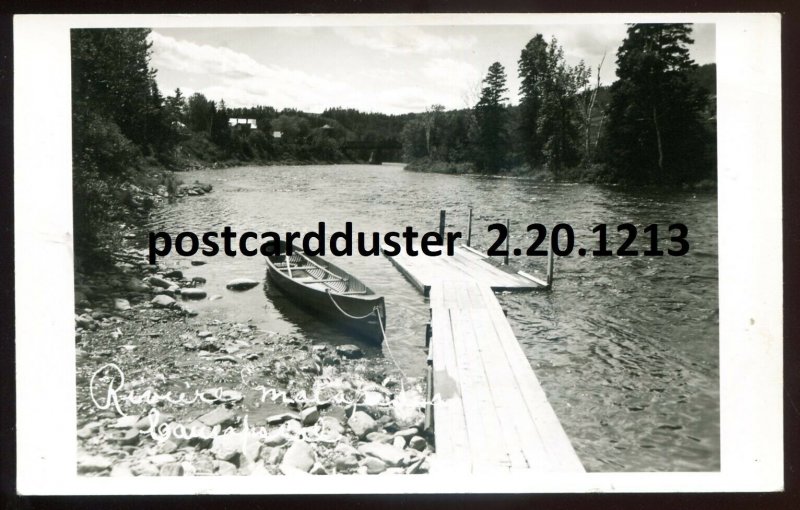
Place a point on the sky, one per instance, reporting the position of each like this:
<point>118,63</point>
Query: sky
<point>393,69</point>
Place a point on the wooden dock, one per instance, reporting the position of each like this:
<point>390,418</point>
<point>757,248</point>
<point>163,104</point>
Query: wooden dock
<point>465,264</point>
<point>490,414</point>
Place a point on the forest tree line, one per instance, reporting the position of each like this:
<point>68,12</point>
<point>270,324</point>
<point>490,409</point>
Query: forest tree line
<point>654,125</point>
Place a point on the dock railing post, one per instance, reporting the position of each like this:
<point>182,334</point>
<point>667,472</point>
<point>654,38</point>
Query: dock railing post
<point>469,228</point>
<point>550,269</point>
<point>508,236</point>
<point>442,214</point>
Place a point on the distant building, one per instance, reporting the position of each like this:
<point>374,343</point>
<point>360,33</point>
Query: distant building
<point>243,123</point>
<point>277,134</point>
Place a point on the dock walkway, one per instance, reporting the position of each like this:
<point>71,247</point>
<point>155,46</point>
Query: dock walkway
<point>490,413</point>
<point>465,264</point>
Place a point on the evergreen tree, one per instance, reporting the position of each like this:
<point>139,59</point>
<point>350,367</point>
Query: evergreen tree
<point>655,131</point>
<point>532,71</point>
<point>548,105</point>
<point>490,114</point>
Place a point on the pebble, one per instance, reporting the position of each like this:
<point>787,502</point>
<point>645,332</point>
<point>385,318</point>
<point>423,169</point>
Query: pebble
<point>126,422</point>
<point>144,469</point>
<point>204,334</point>
<point>400,442</point>
<point>175,273</point>
<point>331,424</point>
<point>349,351</point>
<point>157,281</point>
<point>122,304</point>
<point>418,443</point>
<point>163,301</point>
<point>318,469</point>
<point>198,262</point>
<point>309,416</point>
<point>379,437</point>
<point>224,468</point>
<point>219,416</point>
<point>92,463</point>
<point>203,467</point>
<point>121,470</point>
<point>198,280</point>
<point>171,469</point>
<point>228,446</point>
<point>276,438</point>
<point>406,433</point>
<point>190,293</point>
<point>385,452</point>
<point>374,465</point>
<point>277,419</point>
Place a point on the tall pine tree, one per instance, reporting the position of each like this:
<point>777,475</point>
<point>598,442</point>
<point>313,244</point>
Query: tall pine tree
<point>655,132</point>
<point>490,113</point>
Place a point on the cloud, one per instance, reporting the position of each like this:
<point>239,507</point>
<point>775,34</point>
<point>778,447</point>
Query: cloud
<point>240,79</point>
<point>404,40</point>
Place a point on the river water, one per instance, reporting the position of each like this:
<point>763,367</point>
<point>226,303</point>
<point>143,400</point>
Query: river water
<point>626,348</point>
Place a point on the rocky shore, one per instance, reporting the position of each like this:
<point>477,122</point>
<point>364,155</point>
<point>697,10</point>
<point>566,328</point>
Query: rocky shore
<point>165,391</point>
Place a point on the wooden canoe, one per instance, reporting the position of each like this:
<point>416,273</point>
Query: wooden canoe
<point>318,285</point>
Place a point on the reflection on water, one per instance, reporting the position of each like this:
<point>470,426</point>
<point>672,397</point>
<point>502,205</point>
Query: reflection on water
<point>625,347</point>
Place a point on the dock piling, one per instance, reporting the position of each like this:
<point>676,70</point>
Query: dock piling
<point>508,237</point>
<point>550,269</point>
<point>469,228</point>
<point>442,214</point>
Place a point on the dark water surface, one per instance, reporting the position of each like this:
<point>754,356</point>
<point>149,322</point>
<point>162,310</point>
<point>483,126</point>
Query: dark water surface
<point>625,347</point>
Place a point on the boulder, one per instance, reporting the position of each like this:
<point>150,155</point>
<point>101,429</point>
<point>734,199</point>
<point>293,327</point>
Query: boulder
<point>163,301</point>
<point>174,273</point>
<point>204,334</point>
<point>349,351</point>
<point>399,442</point>
<point>190,293</point>
<point>385,452</point>
<point>362,424</point>
<point>300,456</point>
<point>242,284</point>
<point>198,280</point>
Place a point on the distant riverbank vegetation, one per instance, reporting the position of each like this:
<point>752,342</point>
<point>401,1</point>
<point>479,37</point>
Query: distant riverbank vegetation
<point>655,125</point>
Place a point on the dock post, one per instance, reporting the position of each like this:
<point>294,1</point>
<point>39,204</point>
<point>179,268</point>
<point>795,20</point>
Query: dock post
<point>550,269</point>
<point>469,228</point>
<point>508,236</point>
<point>442,214</point>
